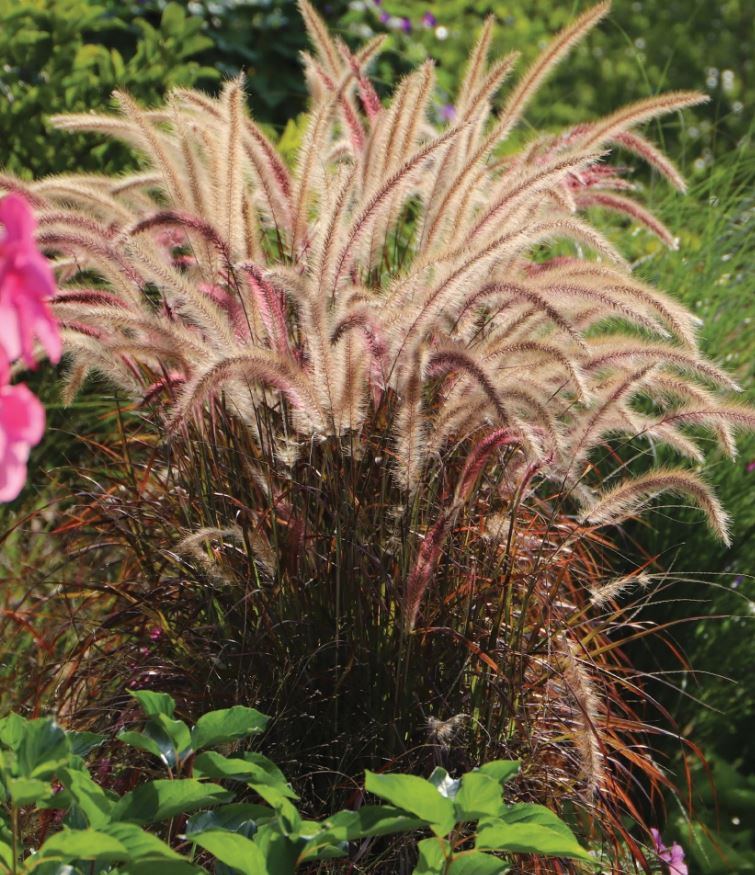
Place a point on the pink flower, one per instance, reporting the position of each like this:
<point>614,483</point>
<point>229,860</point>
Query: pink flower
<point>22,422</point>
<point>673,856</point>
<point>751,467</point>
<point>26,281</point>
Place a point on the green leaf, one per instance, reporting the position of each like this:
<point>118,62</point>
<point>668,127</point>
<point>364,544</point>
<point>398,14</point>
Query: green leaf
<point>163,867</point>
<point>140,844</point>
<point>253,768</point>
<point>479,796</point>
<point>240,817</point>
<point>501,770</point>
<point>235,851</point>
<point>281,852</point>
<point>527,812</point>
<point>159,800</point>
<point>26,791</point>
<point>476,863</point>
<point>370,820</point>
<point>326,851</point>
<point>83,844</point>
<point>44,749</point>
<point>154,703</point>
<point>432,857</point>
<point>89,796</point>
<point>218,727</point>
<point>12,730</point>
<point>6,855</point>
<point>346,826</point>
<point>176,730</point>
<point>415,795</point>
<point>83,743</point>
<point>143,742</point>
<point>287,817</point>
<point>528,838</point>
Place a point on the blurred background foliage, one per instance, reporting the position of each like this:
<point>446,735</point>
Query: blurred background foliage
<point>68,55</point>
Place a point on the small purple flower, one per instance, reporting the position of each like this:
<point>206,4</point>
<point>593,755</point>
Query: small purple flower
<point>406,25</point>
<point>384,17</point>
<point>378,2</point>
<point>750,467</point>
<point>429,20</point>
<point>155,633</point>
<point>448,112</point>
<point>673,856</point>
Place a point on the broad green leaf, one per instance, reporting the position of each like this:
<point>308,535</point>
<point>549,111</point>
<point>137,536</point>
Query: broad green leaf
<point>240,817</point>
<point>141,845</point>
<point>253,768</point>
<point>476,863</point>
<point>44,749</point>
<point>83,844</point>
<point>218,727</point>
<point>144,742</point>
<point>370,820</point>
<point>415,795</point>
<point>444,783</point>
<point>154,703</point>
<point>273,794</point>
<point>432,857</point>
<point>159,800</point>
<point>526,812</point>
<point>327,851</point>
<point>155,731</point>
<point>12,730</point>
<point>235,851</point>
<point>346,826</point>
<point>83,743</point>
<point>528,838</point>
<point>162,867</point>
<point>176,730</point>
<point>501,770</point>
<point>479,796</point>
<point>287,817</point>
<point>265,766</point>
<point>89,796</point>
<point>26,791</point>
<point>6,855</point>
<point>281,852</point>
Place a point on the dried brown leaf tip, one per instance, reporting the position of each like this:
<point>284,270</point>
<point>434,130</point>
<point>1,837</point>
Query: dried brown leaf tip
<point>395,263</point>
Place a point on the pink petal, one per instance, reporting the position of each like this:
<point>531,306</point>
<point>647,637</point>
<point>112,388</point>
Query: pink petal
<point>37,273</point>
<point>36,320</point>
<point>12,475</point>
<point>17,217</point>
<point>657,840</point>
<point>22,416</point>
<point>9,332</point>
<point>22,422</point>
<point>677,865</point>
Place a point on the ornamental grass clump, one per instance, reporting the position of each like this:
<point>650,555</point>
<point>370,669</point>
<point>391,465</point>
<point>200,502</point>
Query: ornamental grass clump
<point>383,401</point>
